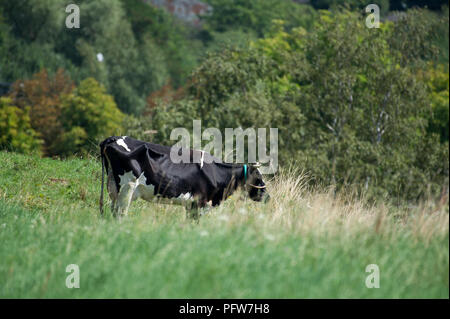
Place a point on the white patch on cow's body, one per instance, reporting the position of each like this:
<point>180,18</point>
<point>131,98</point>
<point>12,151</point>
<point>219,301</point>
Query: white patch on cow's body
<point>182,199</point>
<point>185,196</point>
<point>132,188</point>
<point>202,159</point>
<point>144,191</point>
<point>128,185</point>
<point>121,142</point>
<point>126,178</point>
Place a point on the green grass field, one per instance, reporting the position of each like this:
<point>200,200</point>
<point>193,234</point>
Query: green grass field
<point>302,244</point>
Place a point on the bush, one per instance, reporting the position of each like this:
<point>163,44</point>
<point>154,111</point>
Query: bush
<point>41,94</point>
<point>437,79</point>
<point>16,133</point>
<point>88,114</point>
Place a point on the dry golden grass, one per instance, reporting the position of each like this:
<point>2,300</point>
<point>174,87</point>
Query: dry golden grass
<point>297,208</point>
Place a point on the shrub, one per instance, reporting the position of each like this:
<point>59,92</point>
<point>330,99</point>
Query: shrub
<point>41,94</point>
<point>88,114</point>
<point>16,133</point>
<point>437,80</point>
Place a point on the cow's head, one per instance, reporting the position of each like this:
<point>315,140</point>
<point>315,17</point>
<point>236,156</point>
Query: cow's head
<point>255,185</point>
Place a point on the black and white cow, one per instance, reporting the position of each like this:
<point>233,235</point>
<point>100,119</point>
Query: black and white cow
<point>137,169</point>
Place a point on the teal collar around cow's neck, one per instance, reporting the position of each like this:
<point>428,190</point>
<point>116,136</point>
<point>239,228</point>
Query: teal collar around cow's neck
<point>245,172</point>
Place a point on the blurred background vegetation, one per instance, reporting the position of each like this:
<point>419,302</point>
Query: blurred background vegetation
<point>355,107</point>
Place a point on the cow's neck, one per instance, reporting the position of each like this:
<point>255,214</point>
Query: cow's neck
<point>242,175</point>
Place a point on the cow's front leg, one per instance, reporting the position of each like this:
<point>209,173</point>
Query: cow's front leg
<point>192,210</point>
<point>124,199</point>
<point>204,210</point>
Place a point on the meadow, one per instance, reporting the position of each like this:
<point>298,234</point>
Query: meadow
<point>304,243</point>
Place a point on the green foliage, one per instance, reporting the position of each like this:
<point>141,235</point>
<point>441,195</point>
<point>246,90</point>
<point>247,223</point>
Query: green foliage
<point>32,32</point>
<point>364,110</point>
<point>348,106</point>
<point>20,59</point>
<point>16,133</point>
<point>137,127</point>
<point>236,38</point>
<point>441,37</point>
<point>178,49</point>
<point>88,115</point>
<point>25,15</point>
<point>431,4</point>
<point>257,16</point>
<point>437,79</point>
<point>140,55</point>
<point>106,30</point>
<point>415,36</point>
<point>351,4</point>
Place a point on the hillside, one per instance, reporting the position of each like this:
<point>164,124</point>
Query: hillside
<point>303,244</point>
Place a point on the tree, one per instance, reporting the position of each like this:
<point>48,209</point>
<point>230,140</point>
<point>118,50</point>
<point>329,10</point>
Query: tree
<point>25,15</point>
<point>173,48</point>
<point>30,40</point>
<point>257,16</point>
<point>352,4</point>
<point>35,37</point>
<point>347,106</point>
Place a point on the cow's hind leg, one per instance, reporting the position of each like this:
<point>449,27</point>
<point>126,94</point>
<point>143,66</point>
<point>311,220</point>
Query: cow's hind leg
<point>113,197</point>
<point>112,191</point>
<point>124,199</point>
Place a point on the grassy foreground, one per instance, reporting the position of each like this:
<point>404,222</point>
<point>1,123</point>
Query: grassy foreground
<point>302,244</point>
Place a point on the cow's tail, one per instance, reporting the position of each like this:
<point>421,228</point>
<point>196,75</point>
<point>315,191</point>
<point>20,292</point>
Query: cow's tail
<point>103,178</point>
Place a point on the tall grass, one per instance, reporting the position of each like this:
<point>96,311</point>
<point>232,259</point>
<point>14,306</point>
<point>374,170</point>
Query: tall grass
<point>304,243</point>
